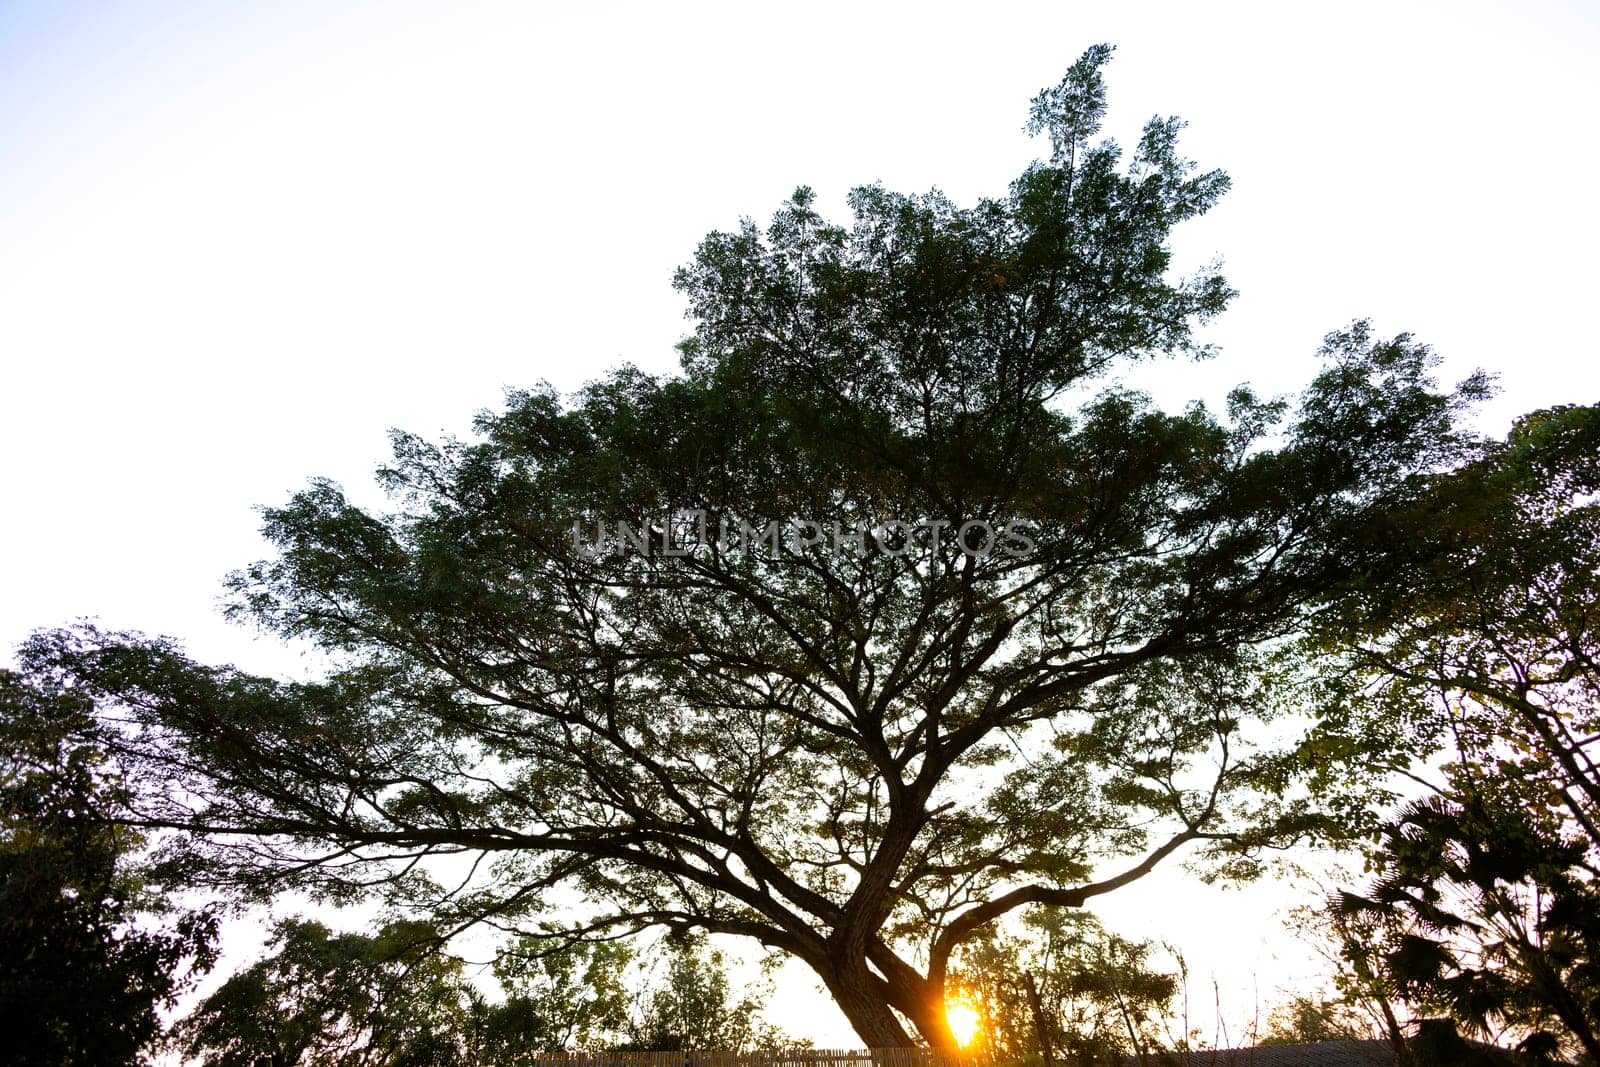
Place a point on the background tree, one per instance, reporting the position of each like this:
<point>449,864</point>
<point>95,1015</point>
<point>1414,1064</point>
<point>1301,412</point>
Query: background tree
<point>1487,653</point>
<point>1361,989</point>
<point>391,999</point>
<point>351,1000</point>
<point>1489,920</point>
<point>851,739</point>
<point>1304,1018</point>
<point>84,968</point>
<point>690,1005</point>
<point>561,996</point>
<point>1066,983</point>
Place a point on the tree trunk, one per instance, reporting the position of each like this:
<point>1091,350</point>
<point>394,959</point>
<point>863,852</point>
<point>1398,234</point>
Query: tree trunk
<point>925,1008</point>
<point>878,1009</point>
<point>1040,1029</point>
<point>869,1013</point>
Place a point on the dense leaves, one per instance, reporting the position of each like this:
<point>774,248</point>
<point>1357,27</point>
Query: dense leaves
<point>1481,916</point>
<point>84,966</point>
<point>336,999</point>
<point>321,998</point>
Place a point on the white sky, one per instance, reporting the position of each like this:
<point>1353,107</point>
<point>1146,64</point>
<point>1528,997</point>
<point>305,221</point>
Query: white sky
<point>240,242</point>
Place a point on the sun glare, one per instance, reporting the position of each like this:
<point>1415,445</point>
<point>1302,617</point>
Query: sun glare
<point>963,1020</point>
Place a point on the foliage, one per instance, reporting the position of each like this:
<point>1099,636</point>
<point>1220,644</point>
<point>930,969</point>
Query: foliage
<point>1489,920</point>
<point>691,1006</point>
<point>864,733</point>
<point>1303,1018</point>
<point>1484,905</point>
<point>394,998</point>
<point>324,998</point>
<point>84,969</point>
<point>1485,642</point>
<point>1097,994</point>
<point>1361,993</point>
<point>556,996</point>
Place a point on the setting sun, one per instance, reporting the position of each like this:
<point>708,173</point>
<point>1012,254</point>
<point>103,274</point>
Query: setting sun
<point>963,1020</point>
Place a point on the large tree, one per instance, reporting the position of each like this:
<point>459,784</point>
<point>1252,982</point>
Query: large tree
<point>907,615</point>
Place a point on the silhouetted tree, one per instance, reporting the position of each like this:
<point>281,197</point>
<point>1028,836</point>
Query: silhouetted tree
<point>1308,1018</point>
<point>1488,918</point>
<point>556,996</point>
<point>906,627</point>
<point>691,1005</point>
<point>84,969</point>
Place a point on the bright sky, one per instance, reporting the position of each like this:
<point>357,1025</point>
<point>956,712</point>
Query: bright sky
<point>240,242</point>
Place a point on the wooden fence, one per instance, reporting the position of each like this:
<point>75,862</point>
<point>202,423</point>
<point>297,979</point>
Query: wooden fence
<point>804,1057</point>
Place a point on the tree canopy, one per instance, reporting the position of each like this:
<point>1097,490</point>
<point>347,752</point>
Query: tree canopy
<point>890,614</point>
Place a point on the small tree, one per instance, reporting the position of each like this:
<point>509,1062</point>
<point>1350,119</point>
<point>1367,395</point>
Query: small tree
<point>560,995</point>
<point>1066,985</point>
<point>395,998</point>
<point>691,1006</point>
<point>1304,1018</point>
<point>326,998</point>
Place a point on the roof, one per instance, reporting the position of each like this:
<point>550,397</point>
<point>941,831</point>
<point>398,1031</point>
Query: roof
<point>1308,1054</point>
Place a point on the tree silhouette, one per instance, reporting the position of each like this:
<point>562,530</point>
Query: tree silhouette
<point>81,977</point>
<point>896,624</point>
